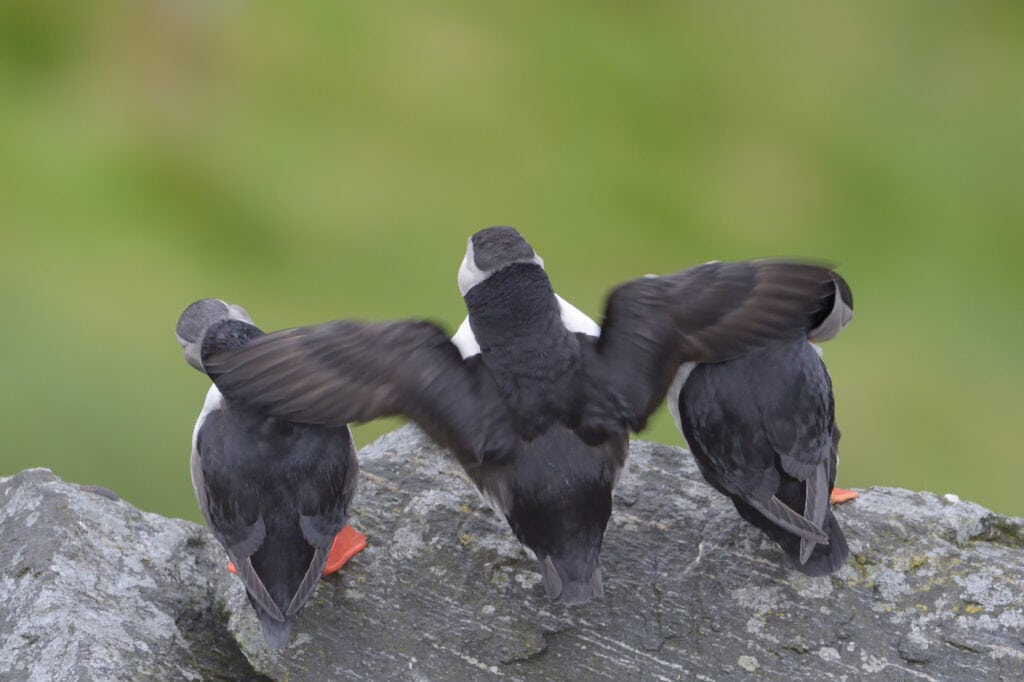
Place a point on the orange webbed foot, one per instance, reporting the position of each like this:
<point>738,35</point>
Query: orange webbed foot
<point>347,544</point>
<point>840,495</point>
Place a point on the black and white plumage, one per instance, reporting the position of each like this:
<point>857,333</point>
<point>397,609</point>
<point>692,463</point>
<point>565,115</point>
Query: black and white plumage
<point>274,493</point>
<point>762,429</point>
<point>535,383</point>
<point>557,493</point>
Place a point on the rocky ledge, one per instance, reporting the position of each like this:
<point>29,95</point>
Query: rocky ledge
<point>93,588</point>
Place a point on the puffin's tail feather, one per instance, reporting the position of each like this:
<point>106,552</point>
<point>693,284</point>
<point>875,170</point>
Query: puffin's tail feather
<point>822,560</point>
<point>825,559</point>
<point>783,515</point>
<point>572,580</point>
<point>275,632</point>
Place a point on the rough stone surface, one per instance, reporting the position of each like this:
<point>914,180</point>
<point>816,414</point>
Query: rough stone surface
<point>94,589</point>
<point>934,589</point>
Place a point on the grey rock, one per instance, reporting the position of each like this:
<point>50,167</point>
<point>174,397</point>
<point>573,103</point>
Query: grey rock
<point>934,589</point>
<point>92,588</point>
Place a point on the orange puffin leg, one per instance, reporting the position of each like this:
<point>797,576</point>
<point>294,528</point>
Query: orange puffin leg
<point>840,495</point>
<point>347,544</point>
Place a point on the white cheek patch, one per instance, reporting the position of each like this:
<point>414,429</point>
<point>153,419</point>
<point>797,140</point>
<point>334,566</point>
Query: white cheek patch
<point>575,320</point>
<point>469,274</point>
<point>836,321</point>
<point>465,340</point>
<point>675,389</point>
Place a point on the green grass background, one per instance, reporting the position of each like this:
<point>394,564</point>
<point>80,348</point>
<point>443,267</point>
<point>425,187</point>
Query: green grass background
<point>315,160</point>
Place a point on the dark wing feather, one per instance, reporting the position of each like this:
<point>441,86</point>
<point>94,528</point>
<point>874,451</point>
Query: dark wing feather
<point>734,458</point>
<point>309,581</point>
<point>797,415</point>
<point>795,399</point>
<point>254,585</point>
<point>709,313</point>
<point>233,516</point>
<point>716,421</point>
<point>343,372</point>
<point>324,500</point>
<point>816,501</point>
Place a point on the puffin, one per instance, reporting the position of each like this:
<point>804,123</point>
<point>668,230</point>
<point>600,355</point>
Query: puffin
<point>275,494</point>
<point>763,432</point>
<point>556,495</point>
<point>537,406</point>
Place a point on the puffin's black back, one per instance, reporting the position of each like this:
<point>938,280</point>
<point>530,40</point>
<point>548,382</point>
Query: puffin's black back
<point>292,477</point>
<point>556,495</point>
<point>533,358</point>
<point>227,335</point>
<point>825,559</point>
<point>561,494</point>
<point>276,493</point>
<point>757,426</point>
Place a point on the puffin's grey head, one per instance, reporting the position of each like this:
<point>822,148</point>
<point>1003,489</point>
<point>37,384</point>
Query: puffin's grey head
<point>197,318</point>
<point>490,250</point>
<point>839,316</point>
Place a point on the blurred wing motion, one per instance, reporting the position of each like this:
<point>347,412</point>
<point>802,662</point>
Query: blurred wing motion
<point>343,372</point>
<point>709,313</point>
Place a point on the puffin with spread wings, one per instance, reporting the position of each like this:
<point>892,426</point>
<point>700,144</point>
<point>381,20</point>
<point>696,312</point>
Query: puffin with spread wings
<point>535,402</point>
<point>275,494</point>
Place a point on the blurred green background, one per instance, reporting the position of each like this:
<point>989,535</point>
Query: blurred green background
<point>315,160</point>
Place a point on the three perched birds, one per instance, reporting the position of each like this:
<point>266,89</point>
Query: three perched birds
<point>536,401</point>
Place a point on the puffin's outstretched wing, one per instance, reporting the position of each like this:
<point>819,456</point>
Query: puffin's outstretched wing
<point>709,313</point>
<point>345,371</point>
